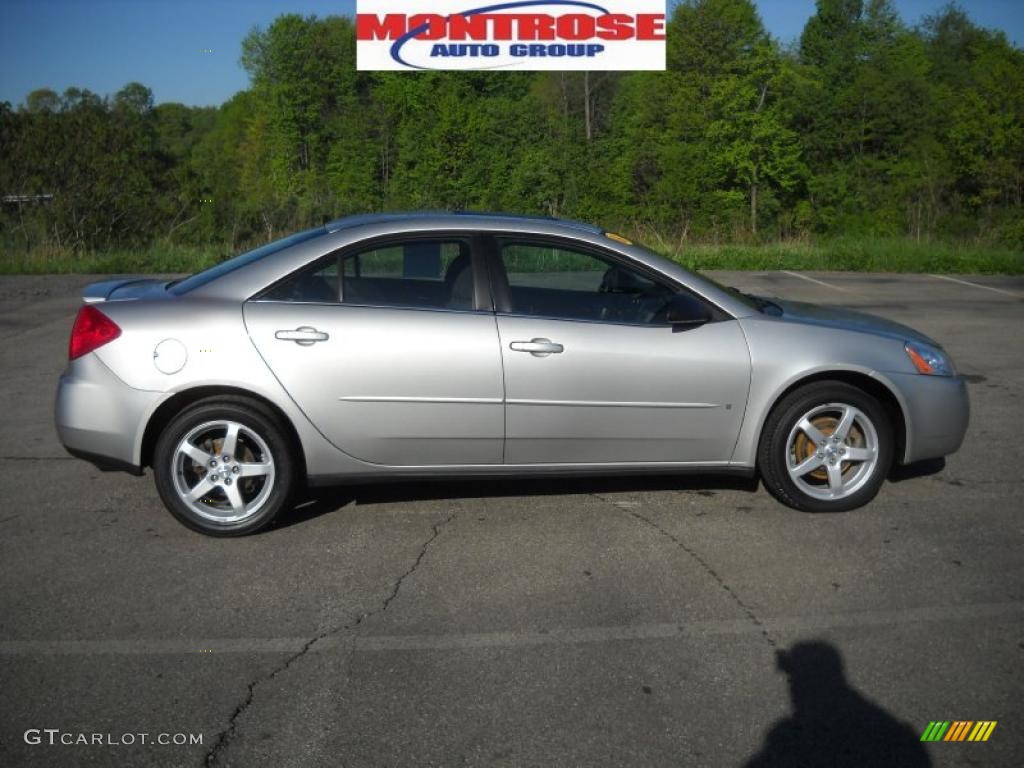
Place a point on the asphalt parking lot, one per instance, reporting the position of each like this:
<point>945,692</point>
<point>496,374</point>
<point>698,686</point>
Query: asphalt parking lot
<point>659,622</point>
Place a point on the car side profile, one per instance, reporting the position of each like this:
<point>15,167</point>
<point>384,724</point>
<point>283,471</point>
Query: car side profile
<point>425,345</point>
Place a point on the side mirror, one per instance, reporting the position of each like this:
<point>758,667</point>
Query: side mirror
<point>685,311</point>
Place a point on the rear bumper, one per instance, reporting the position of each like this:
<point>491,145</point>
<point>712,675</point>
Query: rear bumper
<point>100,418</point>
<point>937,411</point>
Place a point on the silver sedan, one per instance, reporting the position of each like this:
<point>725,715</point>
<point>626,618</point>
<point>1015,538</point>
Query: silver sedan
<point>395,346</point>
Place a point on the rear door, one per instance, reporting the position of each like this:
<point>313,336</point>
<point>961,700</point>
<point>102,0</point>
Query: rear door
<point>594,372</point>
<point>391,351</point>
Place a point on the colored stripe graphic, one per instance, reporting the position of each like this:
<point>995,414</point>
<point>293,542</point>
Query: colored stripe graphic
<point>983,730</point>
<point>958,730</point>
<point>935,730</point>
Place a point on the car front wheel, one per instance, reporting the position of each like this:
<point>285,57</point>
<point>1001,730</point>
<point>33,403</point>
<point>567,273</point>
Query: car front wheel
<point>826,447</point>
<point>222,467</point>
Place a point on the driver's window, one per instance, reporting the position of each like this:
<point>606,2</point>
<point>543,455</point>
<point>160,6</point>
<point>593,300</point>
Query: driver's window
<point>551,281</point>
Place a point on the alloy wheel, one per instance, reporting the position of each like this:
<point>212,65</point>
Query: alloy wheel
<point>223,471</point>
<point>832,451</point>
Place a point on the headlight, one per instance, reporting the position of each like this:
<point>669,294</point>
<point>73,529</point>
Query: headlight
<point>929,360</point>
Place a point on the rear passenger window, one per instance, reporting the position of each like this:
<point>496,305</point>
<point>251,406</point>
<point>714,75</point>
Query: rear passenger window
<point>318,285</point>
<point>422,274</point>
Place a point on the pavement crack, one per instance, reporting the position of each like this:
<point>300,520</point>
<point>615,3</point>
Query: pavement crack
<point>225,737</point>
<point>436,528</point>
<point>704,564</point>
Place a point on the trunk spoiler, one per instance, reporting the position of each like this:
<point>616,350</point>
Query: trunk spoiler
<point>127,288</point>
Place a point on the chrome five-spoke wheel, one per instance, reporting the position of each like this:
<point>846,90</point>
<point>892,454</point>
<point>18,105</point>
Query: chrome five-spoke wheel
<point>832,451</point>
<point>223,471</point>
<point>826,447</point>
<point>224,466</point>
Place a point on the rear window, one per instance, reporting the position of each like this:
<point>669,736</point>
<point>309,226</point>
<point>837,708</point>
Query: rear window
<point>225,267</point>
<point>422,274</point>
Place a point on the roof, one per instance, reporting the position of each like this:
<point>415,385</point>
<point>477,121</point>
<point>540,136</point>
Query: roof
<point>482,218</point>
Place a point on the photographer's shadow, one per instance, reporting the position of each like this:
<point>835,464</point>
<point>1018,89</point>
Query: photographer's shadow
<point>832,724</point>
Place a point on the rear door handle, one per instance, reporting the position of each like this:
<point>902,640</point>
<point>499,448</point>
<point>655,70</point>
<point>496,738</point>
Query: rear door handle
<point>304,336</point>
<point>537,347</point>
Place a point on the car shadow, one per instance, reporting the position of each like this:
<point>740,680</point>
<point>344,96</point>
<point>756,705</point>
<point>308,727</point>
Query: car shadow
<point>833,724</point>
<point>314,502</point>
<point>926,468</point>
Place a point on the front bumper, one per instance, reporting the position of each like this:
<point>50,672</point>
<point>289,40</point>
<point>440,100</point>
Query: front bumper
<point>937,411</point>
<point>100,418</point>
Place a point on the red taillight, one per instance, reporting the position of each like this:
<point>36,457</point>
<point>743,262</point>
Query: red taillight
<point>92,329</point>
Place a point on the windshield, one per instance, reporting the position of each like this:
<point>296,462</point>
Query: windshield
<point>754,302</point>
<point>187,284</point>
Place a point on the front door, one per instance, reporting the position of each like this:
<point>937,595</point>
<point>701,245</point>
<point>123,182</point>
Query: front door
<point>385,352</point>
<point>595,374</point>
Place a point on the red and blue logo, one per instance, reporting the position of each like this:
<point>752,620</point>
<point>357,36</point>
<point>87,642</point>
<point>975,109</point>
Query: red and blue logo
<point>518,34</point>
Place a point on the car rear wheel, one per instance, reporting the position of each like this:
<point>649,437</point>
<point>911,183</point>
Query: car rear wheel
<point>223,468</point>
<point>826,447</point>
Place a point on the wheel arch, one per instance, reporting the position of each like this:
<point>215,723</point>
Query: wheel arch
<point>874,386</point>
<point>167,410</point>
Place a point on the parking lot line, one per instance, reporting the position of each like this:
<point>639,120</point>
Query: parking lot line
<point>570,636</point>
<point>976,285</point>
<point>815,281</point>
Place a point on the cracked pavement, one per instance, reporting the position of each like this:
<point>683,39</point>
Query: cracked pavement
<point>519,623</point>
<point>218,751</point>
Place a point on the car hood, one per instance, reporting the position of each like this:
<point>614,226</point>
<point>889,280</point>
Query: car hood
<point>847,320</point>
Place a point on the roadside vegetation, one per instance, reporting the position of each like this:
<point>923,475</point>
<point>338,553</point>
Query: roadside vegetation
<point>857,254</point>
<point>843,254</point>
<point>866,144</point>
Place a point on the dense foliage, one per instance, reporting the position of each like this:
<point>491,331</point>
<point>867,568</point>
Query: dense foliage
<point>866,127</point>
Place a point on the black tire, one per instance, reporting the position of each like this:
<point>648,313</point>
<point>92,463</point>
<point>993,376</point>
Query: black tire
<point>258,421</point>
<point>773,450</point>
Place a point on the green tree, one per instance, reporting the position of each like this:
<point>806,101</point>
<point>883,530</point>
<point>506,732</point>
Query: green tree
<point>865,127</point>
<point>751,142</point>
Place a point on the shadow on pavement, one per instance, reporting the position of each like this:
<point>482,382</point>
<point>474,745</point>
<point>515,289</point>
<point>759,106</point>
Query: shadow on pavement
<point>924,468</point>
<point>315,502</point>
<point>320,501</point>
<point>832,724</point>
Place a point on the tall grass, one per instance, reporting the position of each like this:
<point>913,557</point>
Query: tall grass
<point>841,254</point>
<point>151,259</point>
<point>855,255</point>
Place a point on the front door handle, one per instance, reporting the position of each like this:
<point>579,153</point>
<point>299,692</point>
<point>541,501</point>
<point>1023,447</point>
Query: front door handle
<point>537,347</point>
<point>304,336</point>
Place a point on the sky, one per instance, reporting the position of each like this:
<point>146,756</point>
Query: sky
<point>103,44</point>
